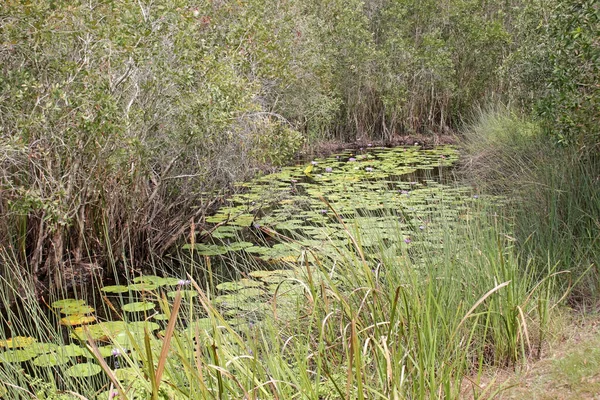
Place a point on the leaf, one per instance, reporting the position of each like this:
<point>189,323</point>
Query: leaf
<point>138,306</point>
<point>77,319</point>
<point>83,370</point>
<point>17,341</point>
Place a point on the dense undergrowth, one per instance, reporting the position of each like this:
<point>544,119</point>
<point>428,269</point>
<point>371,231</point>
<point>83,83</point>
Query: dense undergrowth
<point>123,124</point>
<point>348,324</point>
<point>123,121</point>
<point>554,191</point>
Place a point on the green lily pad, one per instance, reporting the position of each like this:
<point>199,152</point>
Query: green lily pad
<point>127,374</point>
<point>79,309</point>
<point>138,306</point>
<point>83,370</point>
<point>68,303</point>
<point>250,292</point>
<point>41,348</point>
<point>142,286</point>
<point>142,326</point>
<point>187,294</point>
<point>101,331</point>
<point>115,289</point>
<point>17,356</point>
<point>240,284</point>
<point>71,350</point>
<point>105,351</point>
<point>51,360</point>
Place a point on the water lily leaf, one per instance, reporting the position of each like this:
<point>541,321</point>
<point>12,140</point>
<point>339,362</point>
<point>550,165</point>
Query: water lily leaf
<point>188,294</point>
<point>229,300</point>
<point>274,276</point>
<point>17,356</point>
<point>127,374</point>
<point>156,281</point>
<point>79,309</point>
<point>142,286</point>
<point>240,284</point>
<point>101,331</point>
<point>51,360</point>
<point>41,348</point>
<point>77,319</point>
<point>71,350</point>
<point>250,292</point>
<point>115,289</point>
<point>83,370</point>
<point>105,351</point>
<point>68,303</point>
<point>17,341</point>
<point>138,306</point>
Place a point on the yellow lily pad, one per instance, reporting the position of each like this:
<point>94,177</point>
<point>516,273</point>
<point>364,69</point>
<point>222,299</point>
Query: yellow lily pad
<point>77,319</point>
<point>17,341</point>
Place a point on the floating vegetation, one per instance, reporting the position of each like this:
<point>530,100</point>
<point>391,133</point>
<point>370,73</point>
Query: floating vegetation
<point>115,289</point>
<point>77,319</point>
<point>51,360</point>
<point>16,342</point>
<point>83,370</point>
<point>138,306</point>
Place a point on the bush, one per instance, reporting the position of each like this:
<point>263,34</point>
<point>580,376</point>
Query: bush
<point>554,194</point>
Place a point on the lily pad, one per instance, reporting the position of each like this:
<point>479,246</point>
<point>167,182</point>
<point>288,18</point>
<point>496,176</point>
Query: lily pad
<point>101,331</point>
<point>51,360</point>
<point>115,289</point>
<point>188,294</point>
<point>77,319</point>
<point>17,356</point>
<point>41,348</point>
<point>71,350</point>
<point>138,306</point>
<point>17,341</point>
<point>240,284</point>
<point>142,286</point>
<point>68,303</point>
<point>83,370</point>
<point>79,309</point>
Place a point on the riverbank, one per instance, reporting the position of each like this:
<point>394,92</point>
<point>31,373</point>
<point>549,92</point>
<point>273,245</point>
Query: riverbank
<point>325,148</point>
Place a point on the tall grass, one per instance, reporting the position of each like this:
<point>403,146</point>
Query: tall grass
<point>421,323</point>
<point>555,192</point>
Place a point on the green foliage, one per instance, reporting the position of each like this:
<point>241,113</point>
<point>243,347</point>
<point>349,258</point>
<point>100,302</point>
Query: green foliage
<point>554,67</point>
<point>571,103</point>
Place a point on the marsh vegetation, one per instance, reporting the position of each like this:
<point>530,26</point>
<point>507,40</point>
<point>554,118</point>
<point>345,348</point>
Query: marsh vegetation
<point>165,232</point>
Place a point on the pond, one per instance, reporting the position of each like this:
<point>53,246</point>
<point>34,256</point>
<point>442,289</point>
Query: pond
<point>257,251</point>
